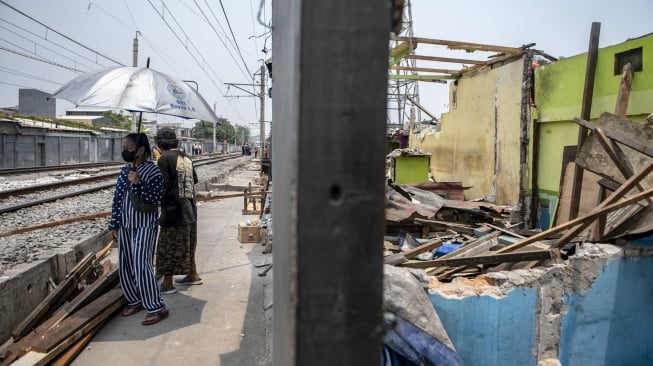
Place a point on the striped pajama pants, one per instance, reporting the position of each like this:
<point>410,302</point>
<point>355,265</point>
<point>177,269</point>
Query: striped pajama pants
<point>136,254</point>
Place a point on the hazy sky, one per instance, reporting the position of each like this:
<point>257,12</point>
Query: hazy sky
<point>560,28</point>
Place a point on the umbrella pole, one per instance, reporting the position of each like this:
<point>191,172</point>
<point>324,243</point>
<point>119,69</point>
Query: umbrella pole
<point>138,133</point>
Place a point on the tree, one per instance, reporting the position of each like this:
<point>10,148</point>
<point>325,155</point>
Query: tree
<point>120,120</point>
<point>227,131</point>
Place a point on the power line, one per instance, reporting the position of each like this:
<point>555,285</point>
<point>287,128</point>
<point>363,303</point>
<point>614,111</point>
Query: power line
<point>25,86</point>
<point>40,59</point>
<point>234,37</point>
<point>182,42</point>
<point>51,41</point>
<point>220,38</point>
<point>29,76</point>
<point>130,14</point>
<point>61,34</point>
<point>38,44</point>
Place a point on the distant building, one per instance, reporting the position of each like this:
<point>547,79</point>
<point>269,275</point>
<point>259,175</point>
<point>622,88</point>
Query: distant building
<point>89,116</point>
<point>33,102</point>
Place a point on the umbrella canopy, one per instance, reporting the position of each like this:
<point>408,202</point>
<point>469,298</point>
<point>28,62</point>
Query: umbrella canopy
<point>136,89</point>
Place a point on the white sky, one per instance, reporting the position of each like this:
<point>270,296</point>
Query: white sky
<point>560,28</point>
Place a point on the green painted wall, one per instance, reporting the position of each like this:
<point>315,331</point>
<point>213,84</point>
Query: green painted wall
<point>559,93</point>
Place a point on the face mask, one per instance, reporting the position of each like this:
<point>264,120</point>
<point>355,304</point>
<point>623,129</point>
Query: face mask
<point>128,156</point>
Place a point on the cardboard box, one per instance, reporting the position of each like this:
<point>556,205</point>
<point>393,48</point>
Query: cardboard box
<point>248,234</point>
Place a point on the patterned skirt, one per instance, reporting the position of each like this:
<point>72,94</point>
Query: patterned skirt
<point>175,252</point>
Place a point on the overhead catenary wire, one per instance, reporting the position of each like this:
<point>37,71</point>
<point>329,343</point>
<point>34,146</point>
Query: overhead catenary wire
<point>248,75</point>
<point>59,33</point>
<point>29,76</point>
<point>42,46</point>
<point>234,37</point>
<point>41,59</point>
<point>164,57</point>
<point>51,41</point>
<point>24,86</point>
<point>234,107</point>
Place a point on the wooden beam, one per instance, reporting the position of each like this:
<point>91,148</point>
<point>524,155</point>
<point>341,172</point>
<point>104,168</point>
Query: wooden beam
<point>586,108</point>
<point>426,69</point>
<point>624,91</point>
<point>581,221</point>
<point>55,223</point>
<point>433,78</point>
<point>642,146</point>
<point>412,253</point>
<point>531,255</point>
<point>83,321</point>
<point>55,298</point>
<point>446,59</point>
<point>421,107</point>
<point>459,45</point>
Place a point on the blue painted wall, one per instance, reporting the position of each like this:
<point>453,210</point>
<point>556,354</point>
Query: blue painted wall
<point>611,323</point>
<point>489,331</point>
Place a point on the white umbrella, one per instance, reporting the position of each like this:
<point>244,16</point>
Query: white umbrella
<point>137,90</point>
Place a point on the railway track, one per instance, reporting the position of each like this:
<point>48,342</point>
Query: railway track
<point>108,179</point>
<point>40,169</point>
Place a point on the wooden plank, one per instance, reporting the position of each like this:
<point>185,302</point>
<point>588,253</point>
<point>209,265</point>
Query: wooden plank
<point>459,228</point>
<point>412,253</point>
<point>586,107</point>
<point>530,255</point>
<point>624,91</point>
<point>426,69</point>
<point>67,357</point>
<point>587,200</point>
<point>89,294</point>
<point>446,59</point>
<point>623,131</point>
<point>505,231</point>
<point>80,323</point>
<point>55,298</point>
<point>458,45</point>
<point>481,245</point>
<point>580,221</point>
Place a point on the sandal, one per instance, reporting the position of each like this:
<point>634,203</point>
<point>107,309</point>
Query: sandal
<point>131,310</point>
<point>187,280</point>
<point>156,317</point>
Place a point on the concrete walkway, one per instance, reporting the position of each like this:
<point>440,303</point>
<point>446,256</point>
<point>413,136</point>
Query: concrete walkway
<point>221,322</point>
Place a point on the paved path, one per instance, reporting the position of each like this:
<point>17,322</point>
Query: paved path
<point>221,322</point>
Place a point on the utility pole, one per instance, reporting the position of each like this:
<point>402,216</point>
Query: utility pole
<point>135,64</point>
<point>262,114</point>
<point>214,128</point>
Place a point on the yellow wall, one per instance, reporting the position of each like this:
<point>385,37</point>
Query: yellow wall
<point>485,115</point>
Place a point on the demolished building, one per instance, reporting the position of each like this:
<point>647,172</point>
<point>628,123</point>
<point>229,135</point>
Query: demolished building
<point>576,289</point>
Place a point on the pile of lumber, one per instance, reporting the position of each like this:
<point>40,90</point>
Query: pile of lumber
<point>618,151</point>
<point>59,328</point>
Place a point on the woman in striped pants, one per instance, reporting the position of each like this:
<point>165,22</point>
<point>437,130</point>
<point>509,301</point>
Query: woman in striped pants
<point>134,224</point>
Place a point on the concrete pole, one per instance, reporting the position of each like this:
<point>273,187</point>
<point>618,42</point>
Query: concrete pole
<point>328,201</point>
<point>135,64</point>
<point>215,125</point>
<point>262,114</point>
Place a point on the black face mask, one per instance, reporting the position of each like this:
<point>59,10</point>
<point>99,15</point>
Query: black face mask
<point>128,156</point>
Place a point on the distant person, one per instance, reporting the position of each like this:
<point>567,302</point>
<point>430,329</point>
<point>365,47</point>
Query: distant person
<point>242,147</point>
<point>175,253</point>
<point>134,224</point>
<point>156,152</point>
<point>256,150</point>
<point>265,152</point>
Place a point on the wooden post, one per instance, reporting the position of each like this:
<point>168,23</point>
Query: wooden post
<point>624,91</point>
<point>586,108</point>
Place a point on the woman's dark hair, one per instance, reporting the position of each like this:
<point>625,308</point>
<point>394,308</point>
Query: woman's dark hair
<point>166,139</point>
<point>142,141</point>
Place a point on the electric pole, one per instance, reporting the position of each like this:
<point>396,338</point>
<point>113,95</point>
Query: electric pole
<point>262,96</point>
<point>214,128</point>
<point>135,64</point>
